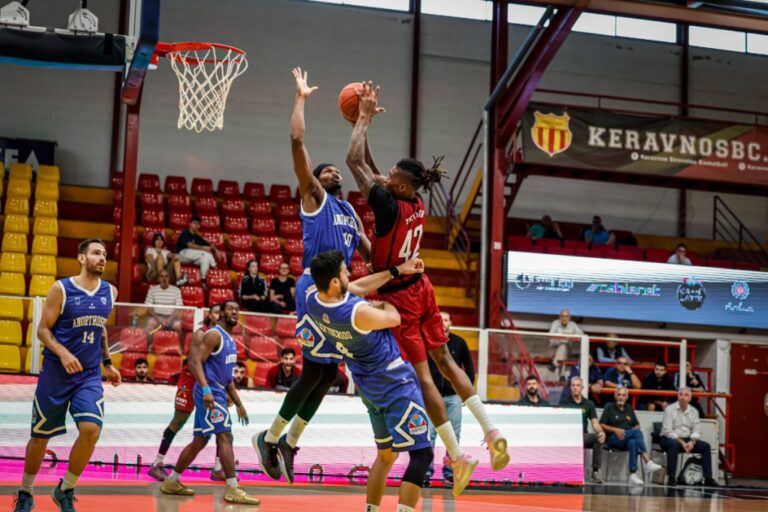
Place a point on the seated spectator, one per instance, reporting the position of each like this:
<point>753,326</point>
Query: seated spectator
<point>282,292</point>
<point>612,350</point>
<point>558,347</point>
<point>658,380</point>
<point>595,376</point>
<point>695,382</point>
<point>164,294</point>
<point>531,396</point>
<point>341,383</point>
<point>598,235</point>
<point>681,433</point>
<point>193,248</point>
<point>240,376</point>
<point>253,290</point>
<point>621,376</point>
<point>595,440</point>
<point>546,229</point>
<point>141,367</point>
<point>679,257</point>
<point>624,433</point>
<point>284,374</point>
<point>159,258</point>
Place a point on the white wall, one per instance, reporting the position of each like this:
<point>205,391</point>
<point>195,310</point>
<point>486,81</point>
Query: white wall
<point>339,45</point>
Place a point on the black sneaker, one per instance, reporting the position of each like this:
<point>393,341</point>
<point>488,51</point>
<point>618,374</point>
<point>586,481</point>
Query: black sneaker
<point>285,455</point>
<point>267,453</point>
<point>23,502</point>
<point>64,499</point>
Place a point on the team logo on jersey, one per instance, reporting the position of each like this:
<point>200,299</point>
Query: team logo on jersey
<point>307,332</point>
<point>417,424</point>
<point>216,416</point>
<point>326,318</point>
<point>77,301</point>
<point>551,133</point>
<point>306,337</point>
<point>104,301</point>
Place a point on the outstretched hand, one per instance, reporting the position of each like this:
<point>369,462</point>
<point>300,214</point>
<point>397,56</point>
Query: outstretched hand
<point>302,88</point>
<point>368,98</point>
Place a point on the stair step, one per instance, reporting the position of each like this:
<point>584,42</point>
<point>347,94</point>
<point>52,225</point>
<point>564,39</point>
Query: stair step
<point>81,230</point>
<point>86,212</point>
<point>90,195</point>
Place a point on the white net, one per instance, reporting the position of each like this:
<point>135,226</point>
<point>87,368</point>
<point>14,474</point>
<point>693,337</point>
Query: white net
<point>205,77</point>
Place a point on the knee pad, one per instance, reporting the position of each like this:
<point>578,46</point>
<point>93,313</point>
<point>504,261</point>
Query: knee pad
<point>418,466</point>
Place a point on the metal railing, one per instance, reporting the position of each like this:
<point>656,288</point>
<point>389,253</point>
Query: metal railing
<point>743,245</point>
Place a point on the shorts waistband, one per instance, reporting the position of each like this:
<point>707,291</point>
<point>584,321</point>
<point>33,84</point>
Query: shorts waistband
<point>307,272</point>
<point>395,364</point>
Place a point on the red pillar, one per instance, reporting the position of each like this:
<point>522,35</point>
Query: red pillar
<point>130,164</point>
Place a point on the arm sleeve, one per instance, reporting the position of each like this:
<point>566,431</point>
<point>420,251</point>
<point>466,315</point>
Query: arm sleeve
<point>604,418</point>
<point>182,242</point>
<point>384,206</point>
<point>149,299</point>
<point>272,377</point>
<point>696,427</point>
<point>592,414</point>
<point>179,300</point>
<point>601,358</point>
<point>667,426</point>
<point>201,241</point>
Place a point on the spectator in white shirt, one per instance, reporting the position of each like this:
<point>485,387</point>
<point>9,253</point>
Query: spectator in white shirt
<point>681,433</point>
<point>164,294</point>
<point>679,257</point>
<point>558,347</point>
<point>158,258</point>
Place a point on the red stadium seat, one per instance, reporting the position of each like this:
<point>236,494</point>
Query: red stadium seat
<point>358,270</point>
<point>166,342</point>
<point>287,211</point>
<point>240,260</point>
<point>562,251</point>
<point>290,228</point>
<point>548,242</point>
<point>233,207</point>
<point>133,339</point>
<point>260,374</point>
<point>149,234</point>
<point>713,262</point>
<point>175,185</point>
<point>166,366</point>
<point>178,219</point>
<point>656,255</point>
<point>292,342</point>
<point>117,214</point>
<point>262,349</point>
<point>259,209</point>
<point>175,236</point>
<point>187,342</point>
<point>258,324</point>
<point>134,251</point>
<point>296,265</point>
<point>179,202</point>
<point>235,224</point>
<point>187,322</point>
<point>193,274</point>
<point>116,180</point>
<point>228,189</point>
<point>216,238</point>
<point>586,253</point>
<point>270,263</point>
<point>576,244</point>
<point>357,200</point>
<point>285,327</point>
<point>239,242</point>
<point>153,218</point>
<point>136,273</point>
<point>599,251</point>
<point>219,295</point>
<point>117,197</point>
<point>202,187</point>
<point>149,182</point>
<point>620,255</point>
<point>218,278</point>
<point>253,191</point>
<point>221,260</point>
<point>193,296</point>
<point>280,194</point>
<point>206,205</point>
<point>128,361</point>
<point>519,243</point>
<point>635,251</point>
<point>263,227</point>
<point>356,256</point>
<point>294,247</point>
<point>210,222</point>
<point>367,216</point>
<point>746,265</point>
<point>240,343</point>
<point>152,200</point>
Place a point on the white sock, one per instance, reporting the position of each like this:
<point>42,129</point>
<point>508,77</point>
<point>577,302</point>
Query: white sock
<point>476,407</point>
<point>404,508</point>
<point>273,434</point>
<point>232,482</point>
<point>69,481</point>
<point>448,437</point>
<point>294,433</point>
<point>28,482</point>
<point>217,465</point>
<point>174,476</point>
<point>160,458</point>
<point>369,507</point>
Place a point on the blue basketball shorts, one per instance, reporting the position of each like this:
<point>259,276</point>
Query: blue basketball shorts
<point>216,420</point>
<point>315,345</point>
<point>57,391</point>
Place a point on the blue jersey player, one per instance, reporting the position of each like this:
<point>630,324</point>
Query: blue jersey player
<point>360,330</point>
<point>328,222</point>
<point>212,361</point>
<point>75,339</point>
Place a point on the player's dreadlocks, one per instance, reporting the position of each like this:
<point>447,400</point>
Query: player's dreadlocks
<point>423,178</point>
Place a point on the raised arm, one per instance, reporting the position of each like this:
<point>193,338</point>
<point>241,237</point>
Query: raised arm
<point>372,317</point>
<point>368,284</point>
<point>312,192</point>
<point>369,157</point>
<point>357,162</point>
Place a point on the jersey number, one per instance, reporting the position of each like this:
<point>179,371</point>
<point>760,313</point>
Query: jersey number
<point>410,248</point>
<point>343,350</point>
<point>348,239</point>
<point>88,337</point>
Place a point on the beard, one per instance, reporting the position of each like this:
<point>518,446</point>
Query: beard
<point>532,392</point>
<point>94,269</point>
<point>231,321</point>
<point>333,189</point>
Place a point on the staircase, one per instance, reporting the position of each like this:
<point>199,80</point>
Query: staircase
<point>742,244</point>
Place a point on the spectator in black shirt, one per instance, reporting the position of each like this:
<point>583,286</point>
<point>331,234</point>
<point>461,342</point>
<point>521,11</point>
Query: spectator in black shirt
<point>588,415</point>
<point>193,248</point>
<point>253,290</point>
<point>531,396</point>
<point>284,374</point>
<point>282,292</point>
<point>659,380</point>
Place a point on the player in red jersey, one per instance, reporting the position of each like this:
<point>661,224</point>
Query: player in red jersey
<point>400,218</point>
<point>185,405</point>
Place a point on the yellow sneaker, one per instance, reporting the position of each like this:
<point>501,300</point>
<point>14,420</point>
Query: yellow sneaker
<point>463,467</point>
<point>497,447</point>
<point>238,495</point>
<point>176,487</point>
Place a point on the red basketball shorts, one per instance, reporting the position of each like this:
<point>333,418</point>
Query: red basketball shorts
<point>185,402</point>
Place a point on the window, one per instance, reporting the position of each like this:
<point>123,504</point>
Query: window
<point>596,24</point>
<point>757,43</point>
<point>470,9</point>
<point>646,29</point>
<point>718,39</point>
<point>394,5</point>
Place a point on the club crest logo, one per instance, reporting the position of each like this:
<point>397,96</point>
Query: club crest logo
<point>740,290</point>
<point>104,301</point>
<point>306,337</point>
<point>551,133</point>
<point>417,424</point>
<point>691,294</point>
<point>216,416</point>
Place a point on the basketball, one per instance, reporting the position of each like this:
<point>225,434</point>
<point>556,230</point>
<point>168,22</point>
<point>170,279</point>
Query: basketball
<point>348,103</point>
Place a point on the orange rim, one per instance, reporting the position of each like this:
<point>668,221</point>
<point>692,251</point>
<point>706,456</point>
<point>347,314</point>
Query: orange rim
<point>173,50</point>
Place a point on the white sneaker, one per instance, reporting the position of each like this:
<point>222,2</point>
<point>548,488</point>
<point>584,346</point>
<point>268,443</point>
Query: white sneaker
<point>652,467</point>
<point>635,480</point>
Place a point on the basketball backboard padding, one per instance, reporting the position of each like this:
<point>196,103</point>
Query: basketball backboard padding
<point>145,26</point>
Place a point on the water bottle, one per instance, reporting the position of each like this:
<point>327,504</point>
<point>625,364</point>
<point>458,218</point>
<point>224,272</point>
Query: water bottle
<point>135,320</point>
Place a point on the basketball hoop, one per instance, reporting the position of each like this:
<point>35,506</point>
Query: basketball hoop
<point>205,72</point>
